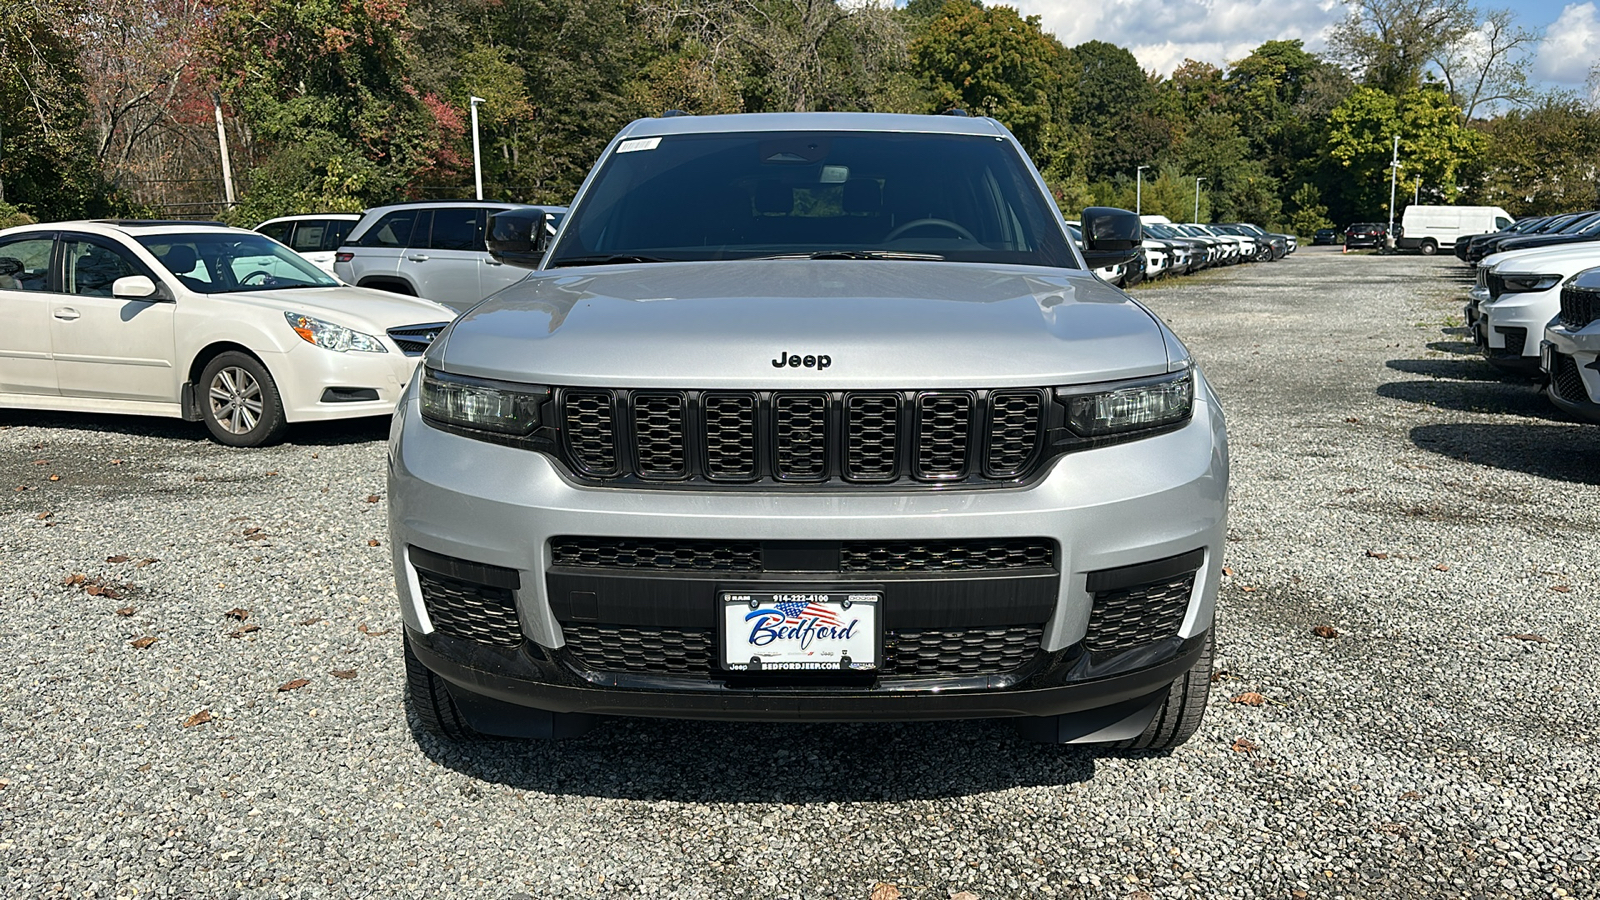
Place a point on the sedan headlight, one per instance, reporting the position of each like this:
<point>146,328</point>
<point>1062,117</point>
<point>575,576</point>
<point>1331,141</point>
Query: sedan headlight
<point>480,404</point>
<point>1527,284</point>
<point>1127,407</point>
<point>329,336</point>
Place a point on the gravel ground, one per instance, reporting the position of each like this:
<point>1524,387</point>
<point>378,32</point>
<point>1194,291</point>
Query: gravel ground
<point>1387,483</point>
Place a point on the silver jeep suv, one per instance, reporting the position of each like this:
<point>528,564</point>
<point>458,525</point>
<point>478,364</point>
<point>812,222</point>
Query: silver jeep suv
<point>430,248</point>
<point>812,416</point>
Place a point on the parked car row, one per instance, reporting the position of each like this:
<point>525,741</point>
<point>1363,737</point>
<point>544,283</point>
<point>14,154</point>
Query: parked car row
<point>1173,248</point>
<point>1535,309</point>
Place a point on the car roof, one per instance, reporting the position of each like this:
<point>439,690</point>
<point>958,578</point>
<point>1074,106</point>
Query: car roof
<point>813,121</point>
<point>435,204</point>
<point>304,217</point>
<point>129,227</point>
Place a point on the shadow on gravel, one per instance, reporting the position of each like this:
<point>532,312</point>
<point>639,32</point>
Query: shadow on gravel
<point>308,434</point>
<point>1472,369</point>
<point>720,762</point>
<point>1460,348</point>
<point>1512,397</point>
<point>1562,453</point>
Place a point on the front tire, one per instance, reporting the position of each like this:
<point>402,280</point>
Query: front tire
<point>1184,707</point>
<point>239,401</point>
<point>428,703</point>
<point>1429,248</point>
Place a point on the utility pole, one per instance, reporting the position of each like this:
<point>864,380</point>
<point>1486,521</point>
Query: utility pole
<point>1394,173</point>
<point>1138,190</point>
<point>1197,181</point>
<point>477,164</point>
<point>222,147</point>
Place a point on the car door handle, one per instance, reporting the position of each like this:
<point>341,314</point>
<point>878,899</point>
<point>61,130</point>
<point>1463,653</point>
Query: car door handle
<point>66,313</point>
<point>418,257</point>
<point>490,261</point>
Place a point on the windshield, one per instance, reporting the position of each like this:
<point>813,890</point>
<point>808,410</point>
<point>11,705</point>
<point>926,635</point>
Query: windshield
<point>223,262</point>
<point>834,194</point>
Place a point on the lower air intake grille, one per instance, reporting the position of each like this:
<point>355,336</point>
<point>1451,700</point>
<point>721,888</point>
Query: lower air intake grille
<point>946,556</point>
<point>624,553</point>
<point>907,654</point>
<point>1131,617</point>
<point>1516,340</point>
<point>1566,379</point>
<point>476,612</point>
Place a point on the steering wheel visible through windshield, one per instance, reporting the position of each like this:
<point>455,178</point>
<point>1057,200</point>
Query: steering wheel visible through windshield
<point>226,262</point>
<point>831,195</point>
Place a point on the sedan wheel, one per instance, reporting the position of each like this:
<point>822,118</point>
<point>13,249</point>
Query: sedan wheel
<point>241,407</point>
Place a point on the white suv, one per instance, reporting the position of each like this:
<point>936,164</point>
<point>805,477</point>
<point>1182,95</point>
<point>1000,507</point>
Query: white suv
<point>432,249</point>
<point>199,322</point>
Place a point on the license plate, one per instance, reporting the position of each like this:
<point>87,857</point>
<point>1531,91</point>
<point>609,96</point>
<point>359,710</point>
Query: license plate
<point>791,631</point>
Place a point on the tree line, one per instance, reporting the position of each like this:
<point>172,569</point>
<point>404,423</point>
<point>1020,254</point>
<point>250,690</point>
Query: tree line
<point>111,106</point>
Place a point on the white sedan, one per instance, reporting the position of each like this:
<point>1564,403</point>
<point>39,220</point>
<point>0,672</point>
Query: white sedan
<point>198,322</point>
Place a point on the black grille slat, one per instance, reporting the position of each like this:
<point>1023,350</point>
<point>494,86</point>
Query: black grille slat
<point>1579,307</point>
<point>1516,341</point>
<point>1014,429</point>
<point>872,437</point>
<point>1132,617</point>
<point>801,425</point>
<point>414,340</point>
<point>658,435</point>
<point>1566,379</point>
<point>624,553</point>
<point>730,431</point>
<point>907,654</point>
<point>944,424</point>
<point>591,432</point>
<point>476,612</point>
<point>946,556</point>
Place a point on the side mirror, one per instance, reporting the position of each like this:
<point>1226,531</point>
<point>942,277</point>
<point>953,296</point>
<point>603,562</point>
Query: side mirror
<point>519,237</point>
<point>135,287</point>
<point>1111,236</point>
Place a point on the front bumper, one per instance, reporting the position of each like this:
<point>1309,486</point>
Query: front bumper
<point>1511,325</point>
<point>1571,361</point>
<point>1121,507</point>
<point>316,384</point>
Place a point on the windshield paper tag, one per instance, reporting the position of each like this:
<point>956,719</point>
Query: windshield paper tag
<point>638,144</point>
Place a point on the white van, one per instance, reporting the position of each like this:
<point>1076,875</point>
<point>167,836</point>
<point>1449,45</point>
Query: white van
<point>1432,228</point>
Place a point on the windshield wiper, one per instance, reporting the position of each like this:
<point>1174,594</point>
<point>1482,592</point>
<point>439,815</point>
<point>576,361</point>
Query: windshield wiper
<point>855,254</point>
<point>607,260</point>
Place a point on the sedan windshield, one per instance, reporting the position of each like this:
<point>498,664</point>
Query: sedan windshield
<point>224,262</point>
<point>833,195</point>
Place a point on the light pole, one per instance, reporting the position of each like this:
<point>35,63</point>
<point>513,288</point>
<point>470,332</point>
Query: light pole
<point>1138,190</point>
<point>1197,181</point>
<point>477,164</point>
<point>1394,172</point>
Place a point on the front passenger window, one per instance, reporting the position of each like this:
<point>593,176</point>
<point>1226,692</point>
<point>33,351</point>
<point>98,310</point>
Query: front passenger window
<point>93,268</point>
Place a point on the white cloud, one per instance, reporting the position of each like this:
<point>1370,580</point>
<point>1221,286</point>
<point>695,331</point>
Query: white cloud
<point>1569,46</point>
<point>1163,33</point>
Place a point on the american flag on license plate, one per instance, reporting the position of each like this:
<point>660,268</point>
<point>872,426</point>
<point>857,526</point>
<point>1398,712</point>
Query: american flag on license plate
<point>797,611</point>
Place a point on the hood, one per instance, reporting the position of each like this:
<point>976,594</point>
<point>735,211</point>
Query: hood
<point>742,324</point>
<point>1519,258</point>
<point>349,306</point>
<point>1564,260</point>
<point>1542,240</point>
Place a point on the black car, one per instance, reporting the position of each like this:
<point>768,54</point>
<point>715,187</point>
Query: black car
<point>1366,234</point>
<point>1328,236</point>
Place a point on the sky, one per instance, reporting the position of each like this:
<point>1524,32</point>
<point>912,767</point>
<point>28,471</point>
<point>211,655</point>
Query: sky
<point>1163,33</point>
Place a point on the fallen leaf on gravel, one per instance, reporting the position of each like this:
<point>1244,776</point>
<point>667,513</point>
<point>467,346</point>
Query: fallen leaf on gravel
<point>1325,631</point>
<point>41,462</point>
<point>373,542</point>
<point>199,718</point>
<point>1561,588</point>
<point>75,578</point>
<point>55,477</point>
<point>270,474</point>
<point>1249,698</point>
<point>968,895</point>
<point>294,685</point>
<point>369,632</point>
<point>44,515</point>
<point>4,783</point>
<point>1351,419</point>
<point>1441,567</point>
<point>238,613</point>
<point>1219,674</point>
<point>96,589</point>
<point>143,643</point>
<point>116,462</point>
<point>1245,745</point>
<point>1377,554</point>
<point>257,535</point>
<point>118,558</point>
<point>126,611</point>
<point>373,498</point>
<point>1411,795</point>
<point>249,531</point>
<point>343,673</point>
<point>1227,571</point>
<point>1248,589</point>
<point>1535,638</point>
<point>145,562</point>
<point>882,891</point>
<point>248,629</point>
<point>311,621</point>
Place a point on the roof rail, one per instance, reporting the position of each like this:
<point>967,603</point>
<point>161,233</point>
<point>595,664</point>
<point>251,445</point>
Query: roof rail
<point>953,111</point>
<point>131,223</point>
<point>674,113</point>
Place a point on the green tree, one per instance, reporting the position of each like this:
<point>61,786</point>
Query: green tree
<point>1539,160</point>
<point>1434,146</point>
<point>1115,106</point>
<point>1391,42</point>
<point>991,62</point>
<point>1309,213</point>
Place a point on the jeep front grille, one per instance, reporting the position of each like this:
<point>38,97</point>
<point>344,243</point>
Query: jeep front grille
<point>770,438</point>
<point>413,340</point>
<point>1579,307</point>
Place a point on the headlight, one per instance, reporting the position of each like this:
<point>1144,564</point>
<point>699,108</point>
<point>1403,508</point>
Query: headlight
<point>1100,410</point>
<point>1524,284</point>
<point>329,336</point>
<point>480,404</point>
